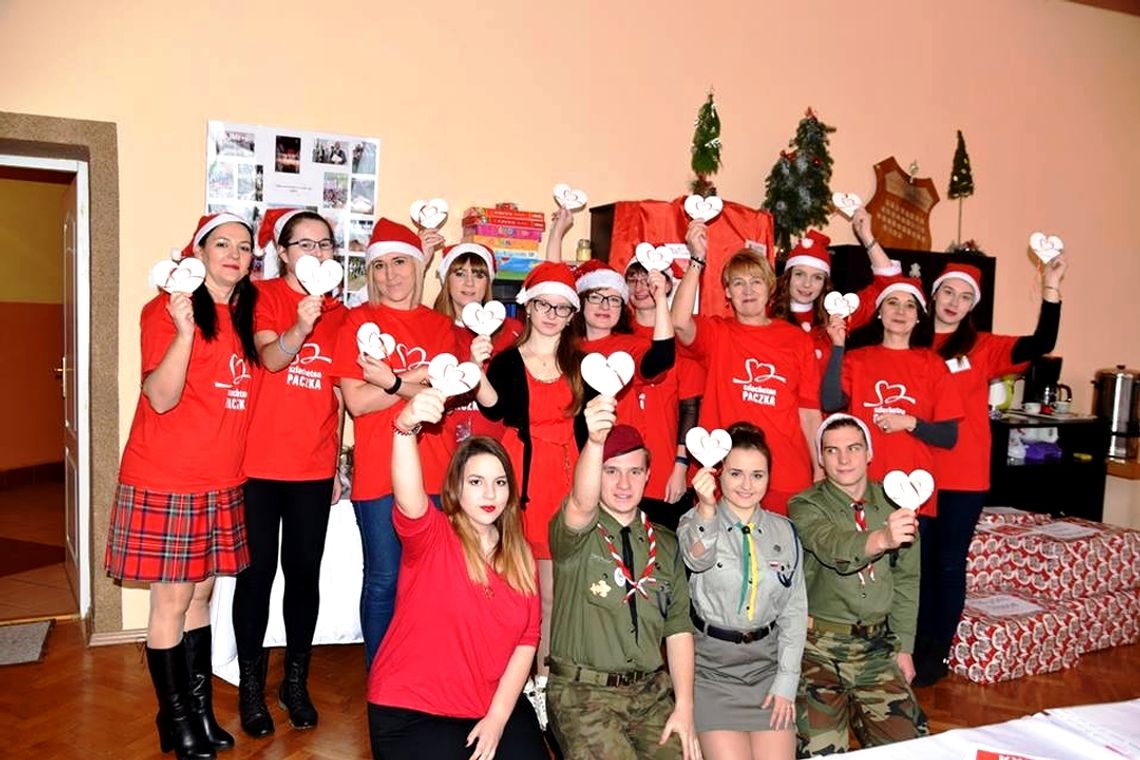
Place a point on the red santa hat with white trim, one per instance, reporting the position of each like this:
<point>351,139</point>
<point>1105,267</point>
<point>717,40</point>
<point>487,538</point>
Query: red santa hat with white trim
<point>811,251</point>
<point>549,278</point>
<point>453,252</point>
<point>900,284</point>
<point>836,418</point>
<point>393,237</point>
<point>596,274</point>
<point>211,222</point>
<point>272,225</point>
<point>968,274</point>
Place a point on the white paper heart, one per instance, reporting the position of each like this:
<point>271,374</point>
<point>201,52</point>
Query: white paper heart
<point>318,277</point>
<point>846,203</point>
<point>372,342</point>
<point>607,374</point>
<point>704,209</point>
<point>841,304</point>
<point>655,258</point>
<point>447,375</point>
<point>178,277</point>
<point>909,491</point>
<point>569,198</point>
<point>708,448</point>
<point>484,319</point>
<point>429,215</point>
<point>1047,247</point>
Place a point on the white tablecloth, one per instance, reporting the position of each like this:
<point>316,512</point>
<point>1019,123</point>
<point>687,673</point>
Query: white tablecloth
<point>338,622</point>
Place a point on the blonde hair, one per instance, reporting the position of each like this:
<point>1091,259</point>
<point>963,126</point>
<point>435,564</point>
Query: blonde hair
<point>418,282</point>
<point>745,262</point>
<point>443,302</point>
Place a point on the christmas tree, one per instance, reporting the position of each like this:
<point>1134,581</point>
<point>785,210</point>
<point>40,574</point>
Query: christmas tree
<point>706,148</point>
<point>798,190</point>
<point>961,179</point>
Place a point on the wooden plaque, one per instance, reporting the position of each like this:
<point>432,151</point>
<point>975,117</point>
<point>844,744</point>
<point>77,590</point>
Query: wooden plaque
<point>900,210</point>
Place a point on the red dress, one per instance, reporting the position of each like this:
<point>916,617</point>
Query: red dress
<point>465,420</point>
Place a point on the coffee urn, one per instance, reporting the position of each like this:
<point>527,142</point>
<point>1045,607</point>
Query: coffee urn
<point>1116,399</point>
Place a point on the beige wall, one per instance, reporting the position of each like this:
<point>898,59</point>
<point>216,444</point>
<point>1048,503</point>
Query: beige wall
<point>496,101</point>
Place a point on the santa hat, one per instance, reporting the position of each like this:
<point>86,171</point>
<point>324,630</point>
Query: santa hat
<point>900,284</point>
<point>970,275</point>
<point>208,223</point>
<point>596,274</point>
<point>549,279</point>
<point>272,225</point>
<point>392,237</point>
<point>835,418</point>
<point>811,251</point>
<point>452,252</point>
<point>622,440</point>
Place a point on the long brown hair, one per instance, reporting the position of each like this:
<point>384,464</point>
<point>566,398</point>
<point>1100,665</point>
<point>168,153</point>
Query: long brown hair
<point>569,357</point>
<point>512,558</point>
<point>443,303</point>
<point>780,302</point>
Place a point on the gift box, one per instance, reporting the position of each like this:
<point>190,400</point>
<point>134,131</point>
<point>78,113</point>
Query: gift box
<point>504,243</point>
<point>504,214</point>
<point>1107,620</point>
<point>514,265</point>
<point>1004,636</point>
<point>503,231</point>
<point>990,559</point>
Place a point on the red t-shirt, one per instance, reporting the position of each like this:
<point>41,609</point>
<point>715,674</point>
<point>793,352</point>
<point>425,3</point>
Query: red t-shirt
<point>420,334</point>
<point>763,375</point>
<point>198,445</point>
<point>465,419</point>
<point>293,433</point>
<point>630,406</point>
<point>966,467</point>
<point>451,639</point>
<point>900,381</point>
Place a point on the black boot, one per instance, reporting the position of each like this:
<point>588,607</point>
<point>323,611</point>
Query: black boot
<point>255,718</point>
<point>294,691</point>
<point>198,648</point>
<point>930,659</point>
<point>178,729</point>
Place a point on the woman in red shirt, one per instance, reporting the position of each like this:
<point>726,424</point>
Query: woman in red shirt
<point>294,440</point>
<point>372,387</point>
<point>963,472</point>
<point>177,518</point>
<point>757,369</point>
<point>448,682</point>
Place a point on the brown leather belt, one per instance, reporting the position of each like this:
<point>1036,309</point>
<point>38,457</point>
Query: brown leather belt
<point>593,677</point>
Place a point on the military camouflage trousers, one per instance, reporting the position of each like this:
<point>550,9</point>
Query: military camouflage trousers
<point>612,722</point>
<point>853,683</point>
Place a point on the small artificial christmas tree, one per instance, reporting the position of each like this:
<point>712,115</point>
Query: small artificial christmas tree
<point>706,148</point>
<point>961,179</point>
<point>798,187</point>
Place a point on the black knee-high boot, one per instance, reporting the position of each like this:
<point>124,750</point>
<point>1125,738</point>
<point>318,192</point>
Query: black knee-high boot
<point>255,718</point>
<point>199,646</point>
<point>294,691</point>
<point>178,729</point>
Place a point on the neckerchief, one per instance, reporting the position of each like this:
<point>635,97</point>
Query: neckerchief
<point>646,578</point>
<point>861,525</point>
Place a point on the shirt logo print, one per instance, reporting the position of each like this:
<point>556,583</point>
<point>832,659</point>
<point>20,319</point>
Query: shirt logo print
<point>411,358</point>
<point>238,372</point>
<point>889,393</point>
<point>758,372</point>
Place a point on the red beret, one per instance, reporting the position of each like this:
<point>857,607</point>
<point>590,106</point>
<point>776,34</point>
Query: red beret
<point>622,440</point>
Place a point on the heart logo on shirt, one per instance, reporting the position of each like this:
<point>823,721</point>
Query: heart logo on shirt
<point>607,374</point>
<point>846,203</point>
<point>410,357</point>
<point>758,372</point>
<point>889,393</point>
<point>484,319</point>
<point>238,369</point>
<point>371,342</point>
<point>178,277</point>
<point>1047,247</point>
<point>569,198</point>
<point>318,277</point>
<point>908,490</point>
<point>703,209</point>
<point>708,448</point>
<point>429,215</point>
<point>841,304</point>
<point>655,258</point>
<point>451,378</point>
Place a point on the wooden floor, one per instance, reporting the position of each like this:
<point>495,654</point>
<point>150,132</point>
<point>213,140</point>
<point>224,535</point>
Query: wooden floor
<point>34,516</point>
<point>84,702</point>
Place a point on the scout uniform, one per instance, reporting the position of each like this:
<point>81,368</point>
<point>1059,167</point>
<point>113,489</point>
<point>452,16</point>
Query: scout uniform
<point>862,611</point>
<point>608,695</point>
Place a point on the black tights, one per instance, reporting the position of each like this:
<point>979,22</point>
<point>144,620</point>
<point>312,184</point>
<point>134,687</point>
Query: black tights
<point>298,512</point>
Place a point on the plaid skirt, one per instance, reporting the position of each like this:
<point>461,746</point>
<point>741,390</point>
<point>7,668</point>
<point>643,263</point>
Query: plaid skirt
<point>159,537</point>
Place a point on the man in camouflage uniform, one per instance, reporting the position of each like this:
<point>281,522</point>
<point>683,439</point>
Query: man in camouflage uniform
<point>861,561</point>
<point>619,590</point>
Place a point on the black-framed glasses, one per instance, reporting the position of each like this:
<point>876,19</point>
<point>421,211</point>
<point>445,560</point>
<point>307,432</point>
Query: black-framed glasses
<point>562,310</point>
<point>308,246</point>
<point>597,299</point>
<point>637,279</point>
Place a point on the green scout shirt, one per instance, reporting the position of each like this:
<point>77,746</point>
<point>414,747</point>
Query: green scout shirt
<point>835,553</point>
<point>591,625</point>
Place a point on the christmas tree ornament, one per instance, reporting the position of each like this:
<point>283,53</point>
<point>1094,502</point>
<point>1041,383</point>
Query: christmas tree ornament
<point>798,195</point>
<point>706,148</point>
<point>961,179</point>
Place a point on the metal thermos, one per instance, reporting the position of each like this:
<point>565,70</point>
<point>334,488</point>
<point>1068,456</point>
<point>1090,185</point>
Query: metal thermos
<point>1116,399</point>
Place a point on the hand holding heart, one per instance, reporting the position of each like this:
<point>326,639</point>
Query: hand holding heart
<point>308,312</point>
<point>704,484</point>
<point>846,203</point>
<point>702,208</point>
<point>837,330</point>
<point>708,447</point>
<point>376,372</point>
<point>426,407</point>
<point>481,349</point>
<point>569,198</point>
<point>429,215</point>
<point>908,490</point>
<point>447,375</point>
<point>600,414</point>
<point>374,343</point>
<point>178,276</point>
<point>841,304</point>
<point>484,318</point>
<point>861,226</point>
<point>1047,247</point>
<point>431,241</point>
<point>181,311</point>
<point>318,277</point>
<point>697,239</point>
<point>900,528</point>
<point>607,374</point>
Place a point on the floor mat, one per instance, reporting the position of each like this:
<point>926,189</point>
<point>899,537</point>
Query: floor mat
<point>23,642</point>
<point>20,556</point>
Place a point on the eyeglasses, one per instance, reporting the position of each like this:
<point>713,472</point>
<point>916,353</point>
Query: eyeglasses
<point>637,279</point>
<point>308,246</point>
<point>563,310</point>
<point>597,299</point>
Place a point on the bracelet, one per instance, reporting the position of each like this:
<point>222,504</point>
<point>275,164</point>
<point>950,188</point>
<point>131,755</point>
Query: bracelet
<point>682,460</point>
<point>395,386</point>
<point>698,261</point>
<point>872,244</point>
<point>1050,287</point>
<point>284,350</point>
<point>401,431</point>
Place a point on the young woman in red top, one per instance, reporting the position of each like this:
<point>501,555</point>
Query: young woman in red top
<point>757,369</point>
<point>177,518</point>
<point>447,683</point>
<point>372,387</point>
<point>294,440</point>
<point>963,472</point>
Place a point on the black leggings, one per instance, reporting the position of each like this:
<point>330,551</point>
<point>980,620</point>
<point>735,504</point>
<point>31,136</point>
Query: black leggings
<point>298,511</point>
<point>399,734</point>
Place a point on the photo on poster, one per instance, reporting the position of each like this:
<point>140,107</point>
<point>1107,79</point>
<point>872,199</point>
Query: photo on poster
<point>250,182</point>
<point>356,275</point>
<point>238,143</point>
<point>364,157</point>
<point>359,232</point>
<point>288,159</point>
<point>221,180</point>
<point>330,152</point>
<point>363,195</point>
<point>335,192</point>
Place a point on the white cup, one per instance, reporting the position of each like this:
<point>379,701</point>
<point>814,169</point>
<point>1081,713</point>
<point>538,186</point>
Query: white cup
<point>1063,407</point>
<point>1031,407</point>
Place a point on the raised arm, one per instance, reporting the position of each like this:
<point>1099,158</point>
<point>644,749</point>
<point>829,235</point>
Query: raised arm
<point>861,225</point>
<point>697,238</point>
<point>1044,337</point>
<point>582,506</point>
<point>407,473</point>
<point>697,533</point>
<point>164,384</point>
<point>561,220</point>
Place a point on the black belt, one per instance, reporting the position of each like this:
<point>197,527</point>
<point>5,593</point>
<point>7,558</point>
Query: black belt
<point>727,634</point>
<point>862,630</point>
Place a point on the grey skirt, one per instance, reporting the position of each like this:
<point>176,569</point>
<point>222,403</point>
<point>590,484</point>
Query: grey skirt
<point>732,682</point>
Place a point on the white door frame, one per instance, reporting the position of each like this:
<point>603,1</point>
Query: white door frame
<point>82,352</point>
